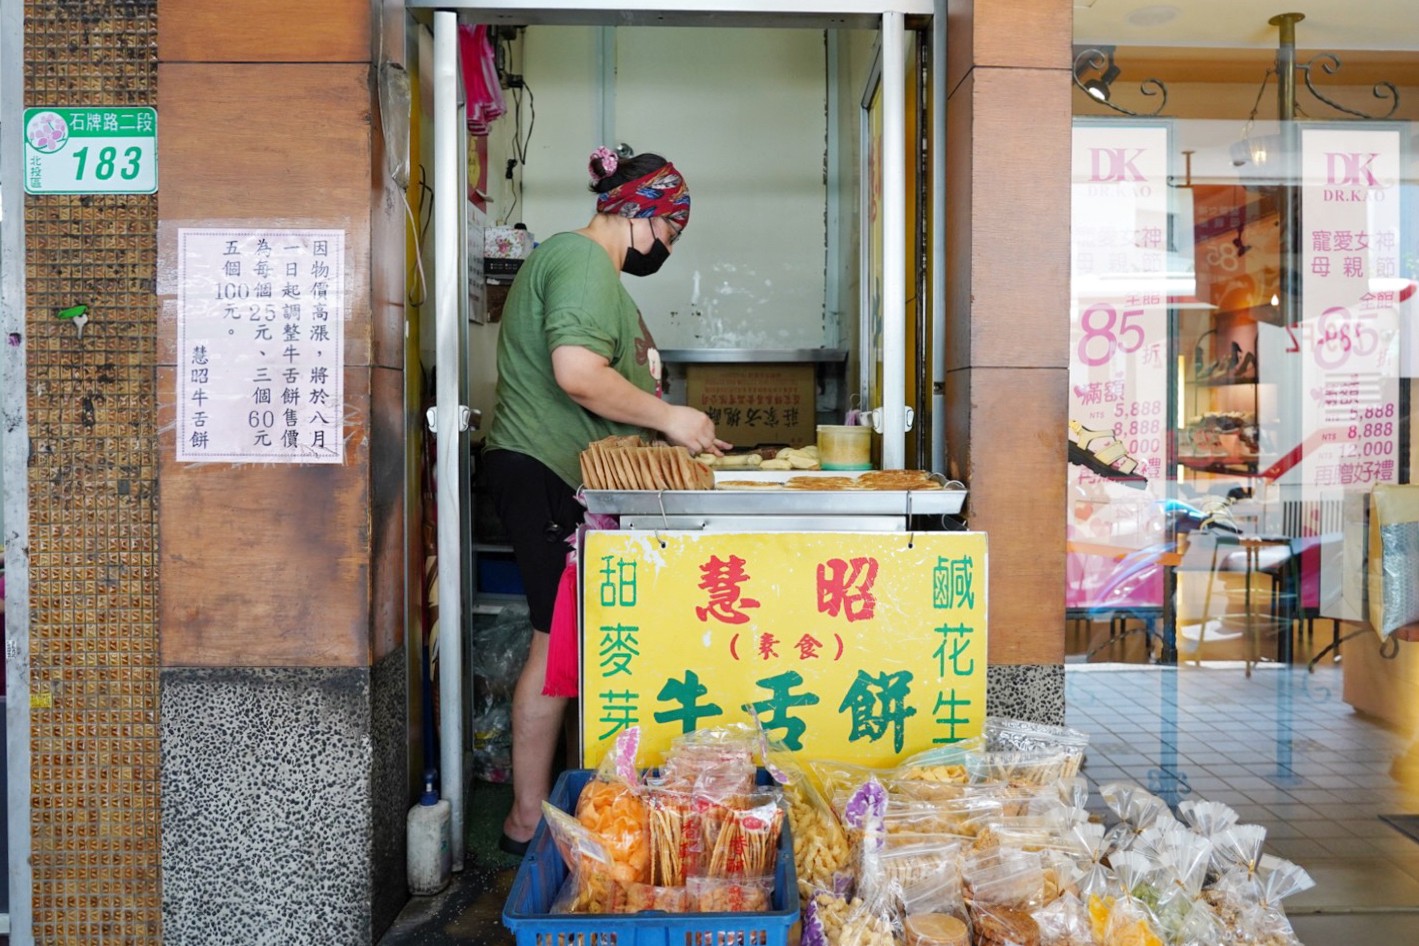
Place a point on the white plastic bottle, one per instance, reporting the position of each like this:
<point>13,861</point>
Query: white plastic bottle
<point>429,843</point>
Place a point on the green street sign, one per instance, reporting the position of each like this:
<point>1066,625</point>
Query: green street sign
<point>91,150</point>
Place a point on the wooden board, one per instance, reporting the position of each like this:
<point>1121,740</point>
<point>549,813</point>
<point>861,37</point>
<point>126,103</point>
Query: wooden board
<point>264,31</point>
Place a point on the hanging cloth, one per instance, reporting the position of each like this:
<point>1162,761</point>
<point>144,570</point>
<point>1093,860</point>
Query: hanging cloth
<point>482,93</point>
<point>563,647</point>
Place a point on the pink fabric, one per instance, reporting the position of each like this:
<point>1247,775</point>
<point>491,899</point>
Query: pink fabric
<point>563,668</point>
<point>563,676</point>
<point>482,92</point>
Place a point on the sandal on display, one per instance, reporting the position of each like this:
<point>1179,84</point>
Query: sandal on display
<point>1246,369</point>
<point>1102,452</point>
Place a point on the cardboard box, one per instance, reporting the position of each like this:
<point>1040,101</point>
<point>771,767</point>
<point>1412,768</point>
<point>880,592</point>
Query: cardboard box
<point>756,404</point>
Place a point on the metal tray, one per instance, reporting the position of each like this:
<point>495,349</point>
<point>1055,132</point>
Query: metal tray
<point>778,502</point>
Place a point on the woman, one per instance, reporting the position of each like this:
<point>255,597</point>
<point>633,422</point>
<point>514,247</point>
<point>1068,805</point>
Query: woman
<point>576,364</point>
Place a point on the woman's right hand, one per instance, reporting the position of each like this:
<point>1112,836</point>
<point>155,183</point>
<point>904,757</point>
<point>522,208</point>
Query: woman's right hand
<point>692,429</point>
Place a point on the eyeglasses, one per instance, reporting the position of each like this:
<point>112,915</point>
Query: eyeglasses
<point>674,231</point>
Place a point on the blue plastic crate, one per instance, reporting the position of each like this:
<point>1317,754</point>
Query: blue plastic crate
<point>542,873</point>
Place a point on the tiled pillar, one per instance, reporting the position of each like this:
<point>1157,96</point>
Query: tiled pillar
<point>1007,192</point>
<point>283,682</point>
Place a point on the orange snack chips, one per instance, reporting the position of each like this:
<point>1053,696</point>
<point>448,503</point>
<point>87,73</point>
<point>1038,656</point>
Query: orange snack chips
<point>616,813</point>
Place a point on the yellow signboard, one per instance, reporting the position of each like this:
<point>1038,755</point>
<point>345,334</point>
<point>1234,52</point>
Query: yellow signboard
<point>848,645</point>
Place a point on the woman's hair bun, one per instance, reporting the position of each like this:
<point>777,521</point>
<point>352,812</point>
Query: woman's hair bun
<point>602,165</point>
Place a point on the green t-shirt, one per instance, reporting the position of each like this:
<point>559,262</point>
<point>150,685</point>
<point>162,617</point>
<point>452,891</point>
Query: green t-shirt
<point>567,293</point>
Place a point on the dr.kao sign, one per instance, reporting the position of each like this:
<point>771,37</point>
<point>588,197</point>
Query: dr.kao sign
<point>91,150</point>
<point>844,645</point>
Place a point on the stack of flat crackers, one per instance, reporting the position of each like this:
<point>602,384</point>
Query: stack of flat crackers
<point>630,463</point>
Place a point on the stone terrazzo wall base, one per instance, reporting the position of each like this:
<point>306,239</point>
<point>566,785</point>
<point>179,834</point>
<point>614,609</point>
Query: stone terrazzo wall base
<point>268,832</point>
<point>1026,691</point>
<point>389,788</point>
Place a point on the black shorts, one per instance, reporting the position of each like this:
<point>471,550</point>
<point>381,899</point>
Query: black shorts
<point>538,511</point>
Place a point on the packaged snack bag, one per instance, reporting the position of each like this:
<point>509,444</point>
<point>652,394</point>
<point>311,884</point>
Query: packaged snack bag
<point>821,855</point>
<point>1137,810</point>
<point>1019,735</point>
<point>1064,922</point>
<point>740,840</point>
<point>1265,921</point>
<point>863,818</point>
<point>591,885</point>
<point>1131,921</point>
<point>674,829</point>
<point>729,895</point>
<point>613,807</point>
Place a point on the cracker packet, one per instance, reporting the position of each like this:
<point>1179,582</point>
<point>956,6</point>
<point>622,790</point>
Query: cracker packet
<point>591,885</point>
<point>729,895</point>
<point>612,806</point>
<point>1182,859</point>
<point>821,855</point>
<point>1004,876</point>
<point>1131,919</point>
<point>1019,735</point>
<point>873,921</point>
<point>1265,921</point>
<point>1207,817</point>
<point>1064,922</point>
<point>863,819</point>
<point>1137,810</point>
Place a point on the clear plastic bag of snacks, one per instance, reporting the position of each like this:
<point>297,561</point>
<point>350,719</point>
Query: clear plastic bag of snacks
<point>674,828</point>
<point>1236,857</point>
<point>1137,810</point>
<point>936,929</point>
<point>1049,832</point>
<point>1064,922</point>
<point>641,897</point>
<point>823,915</point>
<point>862,817</point>
<point>1182,860</point>
<point>873,921</point>
<point>592,885</point>
<point>1021,735</point>
<point>956,817</point>
<point>1207,817</point>
<point>939,891</point>
<point>719,761</point>
<point>730,895</point>
<point>1020,767</point>
<point>1131,921</point>
<point>739,837</point>
<point>996,924</point>
<point>839,780</point>
<point>821,855</point>
<point>1265,922</point>
<point>905,867</point>
<point>1003,876</point>
<point>612,806</point>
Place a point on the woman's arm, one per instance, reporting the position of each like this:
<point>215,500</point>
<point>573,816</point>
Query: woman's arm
<point>591,382</point>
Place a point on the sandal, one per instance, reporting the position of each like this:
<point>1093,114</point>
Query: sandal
<point>1110,459</point>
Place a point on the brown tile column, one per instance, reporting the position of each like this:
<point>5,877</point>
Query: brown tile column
<point>1007,193</point>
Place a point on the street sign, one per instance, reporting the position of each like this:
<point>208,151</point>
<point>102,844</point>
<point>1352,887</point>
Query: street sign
<point>91,150</point>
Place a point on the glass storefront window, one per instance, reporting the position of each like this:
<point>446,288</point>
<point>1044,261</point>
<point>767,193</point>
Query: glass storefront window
<point>1243,335</point>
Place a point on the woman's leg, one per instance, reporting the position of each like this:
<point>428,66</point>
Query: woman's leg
<point>536,726</point>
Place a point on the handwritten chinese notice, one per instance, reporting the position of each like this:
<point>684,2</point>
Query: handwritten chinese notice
<point>845,645</point>
<point>260,346</point>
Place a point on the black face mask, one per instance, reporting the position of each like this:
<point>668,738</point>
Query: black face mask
<point>637,263</point>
